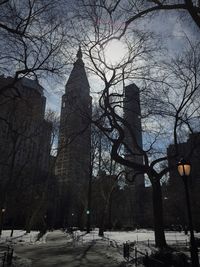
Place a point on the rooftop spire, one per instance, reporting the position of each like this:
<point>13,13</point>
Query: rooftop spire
<point>78,78</point>
<point>79,53</point>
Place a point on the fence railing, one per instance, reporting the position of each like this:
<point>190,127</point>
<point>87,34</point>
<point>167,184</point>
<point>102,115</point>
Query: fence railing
<point>7,256</point>
<point>172,242</point>
<point>131,252</point>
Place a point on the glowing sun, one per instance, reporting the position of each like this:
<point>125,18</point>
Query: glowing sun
<point>115,52</point>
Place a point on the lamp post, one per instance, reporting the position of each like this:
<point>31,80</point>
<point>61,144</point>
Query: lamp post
<point>88,221</point>
<point>88,212</point>
<point>184,169</point>
<point>2,218</point>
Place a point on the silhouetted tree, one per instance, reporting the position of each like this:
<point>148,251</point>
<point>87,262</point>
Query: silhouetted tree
<point>164,101</point>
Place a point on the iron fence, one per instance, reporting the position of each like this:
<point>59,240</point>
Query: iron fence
<point>7,256</point>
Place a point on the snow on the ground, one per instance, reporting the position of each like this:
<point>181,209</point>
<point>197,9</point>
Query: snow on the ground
<point>146,238</point>
<point>141,239</point>
<point>119,237</point>
<point>133,236</point>
<point>20,236</point>
<point>112,242</point>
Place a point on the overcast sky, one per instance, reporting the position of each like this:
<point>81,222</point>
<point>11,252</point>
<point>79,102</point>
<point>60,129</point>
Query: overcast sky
<point>173,29</point>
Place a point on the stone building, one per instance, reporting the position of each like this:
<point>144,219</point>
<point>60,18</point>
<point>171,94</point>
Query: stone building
<point>174,199</point>
<point>24,144</point>
<point>73,159</point>
<point>133,135</point>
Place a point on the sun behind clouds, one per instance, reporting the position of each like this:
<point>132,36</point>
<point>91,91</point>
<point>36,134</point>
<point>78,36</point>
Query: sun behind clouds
<point>115,52</point>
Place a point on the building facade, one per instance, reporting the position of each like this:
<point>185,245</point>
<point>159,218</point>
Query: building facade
<point>24,144</point>
<point>133,152</point>
<point>73,159</point>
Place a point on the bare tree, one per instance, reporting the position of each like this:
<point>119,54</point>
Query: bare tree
<point>129,13</point>
<point>105,178</point>
<point>169,110</point>
<point>164,101</point>
<point>34,39</point>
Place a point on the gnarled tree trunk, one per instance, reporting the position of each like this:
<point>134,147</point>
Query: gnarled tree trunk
<point>158,214</point>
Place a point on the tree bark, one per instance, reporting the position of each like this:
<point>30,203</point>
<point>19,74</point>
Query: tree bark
<point>101,226</point>
<point>110,213</point>
<point>158,214</point>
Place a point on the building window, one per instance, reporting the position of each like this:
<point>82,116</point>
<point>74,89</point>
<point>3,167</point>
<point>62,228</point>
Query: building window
<point>63,104</point>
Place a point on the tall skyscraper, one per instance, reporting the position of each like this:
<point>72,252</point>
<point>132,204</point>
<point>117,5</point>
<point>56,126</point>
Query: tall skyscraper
<point>133,140</point>
<point>25,138</point>
<point>73,159</point>
<point>24,133</point>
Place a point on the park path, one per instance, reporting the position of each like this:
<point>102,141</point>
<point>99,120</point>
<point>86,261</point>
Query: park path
<point>58,251</point>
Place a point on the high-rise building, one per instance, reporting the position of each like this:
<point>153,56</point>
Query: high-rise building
<point>24,143</point>
<point>133,140</point>
<point>73,159</point>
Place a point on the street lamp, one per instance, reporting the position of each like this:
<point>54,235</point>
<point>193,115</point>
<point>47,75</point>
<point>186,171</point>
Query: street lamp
<point>88,220</point>
<point>184,169</point>
<point>2,218</point>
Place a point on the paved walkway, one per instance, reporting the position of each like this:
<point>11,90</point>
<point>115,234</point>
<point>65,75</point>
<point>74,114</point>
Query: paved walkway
<point>58,251</point>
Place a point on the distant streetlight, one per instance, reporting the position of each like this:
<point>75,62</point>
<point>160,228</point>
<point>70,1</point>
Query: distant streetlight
<point>88,220</point>
<point>2,219</point>
<point>184,169</point>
